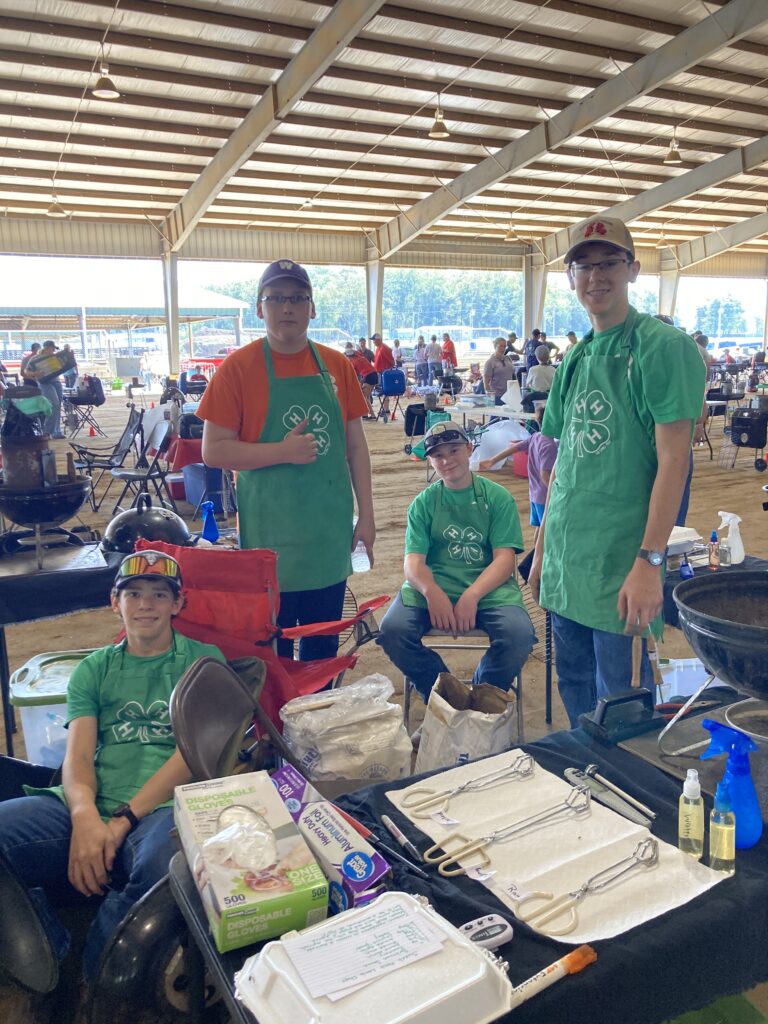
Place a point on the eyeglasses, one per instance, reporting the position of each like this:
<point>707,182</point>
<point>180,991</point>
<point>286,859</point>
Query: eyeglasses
<point>604,266</point>
<point>149,563</point>
<point>280,300</point>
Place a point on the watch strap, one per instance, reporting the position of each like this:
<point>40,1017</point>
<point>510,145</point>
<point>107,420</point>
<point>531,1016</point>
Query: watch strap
<point>647,555</point>
<point>124,811</point>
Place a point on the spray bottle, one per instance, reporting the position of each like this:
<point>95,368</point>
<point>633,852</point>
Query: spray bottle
<point>738,779</point>
<point>722,850</point>
<point>731,520</point>
<point>690,827</point>
<point>210,530</point>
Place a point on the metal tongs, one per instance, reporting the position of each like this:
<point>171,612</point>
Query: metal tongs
<point>575,804</point>
<point>422,802</point>
<point>645,855</point>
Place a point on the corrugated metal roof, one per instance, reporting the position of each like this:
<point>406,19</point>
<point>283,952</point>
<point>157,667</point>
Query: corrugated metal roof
<point>352,152</point>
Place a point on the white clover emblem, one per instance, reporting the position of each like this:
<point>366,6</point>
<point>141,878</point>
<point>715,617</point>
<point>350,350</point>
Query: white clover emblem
<point>589,433</point>
<point>464,545</point>
<point>317,424</point>
<point>135,723</point>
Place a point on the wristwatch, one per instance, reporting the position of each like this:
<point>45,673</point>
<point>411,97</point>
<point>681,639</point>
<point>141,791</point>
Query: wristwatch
<point>654,557</point>
<point>124,811</point>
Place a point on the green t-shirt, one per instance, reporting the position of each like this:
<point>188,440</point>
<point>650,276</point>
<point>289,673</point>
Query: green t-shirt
<point>458,531</point>
<point>129,697</point>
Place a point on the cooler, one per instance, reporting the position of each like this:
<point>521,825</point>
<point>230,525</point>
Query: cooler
<point>39,691</point>
<point>200,480</point>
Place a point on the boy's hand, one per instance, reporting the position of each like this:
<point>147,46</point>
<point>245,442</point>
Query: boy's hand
<point>92,850</point>
<point>465,612</point>
<point>299,448</point>
<point>441,611</point>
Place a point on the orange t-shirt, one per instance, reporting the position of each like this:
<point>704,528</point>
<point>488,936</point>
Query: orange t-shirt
<point>448,351</point>
<point>238,396</point>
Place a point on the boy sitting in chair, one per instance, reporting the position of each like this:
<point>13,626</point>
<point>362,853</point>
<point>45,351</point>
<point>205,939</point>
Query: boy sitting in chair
<point>107,830</point>
<point>462,535</point>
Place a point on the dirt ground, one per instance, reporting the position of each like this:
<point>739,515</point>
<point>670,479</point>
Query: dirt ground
<point>396,480</point>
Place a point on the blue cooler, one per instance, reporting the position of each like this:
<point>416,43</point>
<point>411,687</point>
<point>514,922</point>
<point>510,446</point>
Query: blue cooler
<point>200,480</point>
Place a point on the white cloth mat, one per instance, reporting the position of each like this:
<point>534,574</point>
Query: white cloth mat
<point>559,857</point>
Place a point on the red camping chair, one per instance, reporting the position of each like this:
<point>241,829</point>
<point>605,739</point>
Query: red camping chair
<point>232,602</point>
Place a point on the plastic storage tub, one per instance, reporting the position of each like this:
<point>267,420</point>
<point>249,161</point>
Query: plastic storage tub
<point>682,676</point>
<point>39,691</point>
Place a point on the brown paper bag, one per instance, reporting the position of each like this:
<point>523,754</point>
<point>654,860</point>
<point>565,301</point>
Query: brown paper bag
<point>463,722</point>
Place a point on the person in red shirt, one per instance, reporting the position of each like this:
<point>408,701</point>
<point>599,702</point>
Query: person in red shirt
<point>448,350</point>
<point>382,360</point>
<point>365,374</point>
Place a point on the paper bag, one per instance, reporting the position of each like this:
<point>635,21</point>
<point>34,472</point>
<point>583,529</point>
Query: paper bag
<point>463,722</point>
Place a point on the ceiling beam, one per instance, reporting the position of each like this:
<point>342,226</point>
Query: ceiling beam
<point>687,254</point>
<point>326,42</point>
<point>708,36</point>
<point>741,161</point>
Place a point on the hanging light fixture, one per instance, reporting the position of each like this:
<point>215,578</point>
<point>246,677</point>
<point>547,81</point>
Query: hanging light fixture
<point>105,87</point>
<point>673,154</point>
<point>438,129</point>
<point>662,242</point>
<point>511,235</point>
<point>55,209</point>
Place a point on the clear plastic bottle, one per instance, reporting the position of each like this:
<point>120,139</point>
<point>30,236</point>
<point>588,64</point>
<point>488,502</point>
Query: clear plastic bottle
<point>690,819</point>
<point>722,832</point>
<point>714,551</point>
<point>360,560</point>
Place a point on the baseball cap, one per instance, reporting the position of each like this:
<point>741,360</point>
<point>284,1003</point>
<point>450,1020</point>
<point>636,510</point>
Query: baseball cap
<point>376,337</point>
<point>50,344</point>
<point>149,565</point>
<point>608,230</point>
<point>281,269</point>
<point>444,433</point>
<point>349,349</point>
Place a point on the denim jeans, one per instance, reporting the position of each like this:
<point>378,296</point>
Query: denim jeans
<point>509,629</point>
<point>592,664</point>
<point>35,834</point>
<point>684,501</point>
<point>302,607</point>
<point>52,391</point>
<point>422,373</point>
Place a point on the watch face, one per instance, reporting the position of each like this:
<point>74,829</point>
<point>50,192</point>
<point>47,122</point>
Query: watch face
<point>655,557</point>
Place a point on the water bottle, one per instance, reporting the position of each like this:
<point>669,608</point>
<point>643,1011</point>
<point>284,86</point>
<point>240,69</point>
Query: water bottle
<point>210,530</point>
<point>360,560</point>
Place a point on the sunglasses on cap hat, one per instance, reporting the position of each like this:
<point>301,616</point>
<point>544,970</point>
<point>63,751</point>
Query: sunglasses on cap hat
<point>148,565</point>
<point>444,433</point>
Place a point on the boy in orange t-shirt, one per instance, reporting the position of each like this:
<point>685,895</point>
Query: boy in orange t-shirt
<point>286,414</point>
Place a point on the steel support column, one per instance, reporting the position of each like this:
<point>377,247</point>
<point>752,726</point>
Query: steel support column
<point>374,293</point>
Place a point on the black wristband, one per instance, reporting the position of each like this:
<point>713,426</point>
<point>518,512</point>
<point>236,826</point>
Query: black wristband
<point>124,811</point>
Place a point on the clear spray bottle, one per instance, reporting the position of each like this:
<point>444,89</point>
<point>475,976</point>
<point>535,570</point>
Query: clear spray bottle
<point>722,832</point>
<point>690,820</point>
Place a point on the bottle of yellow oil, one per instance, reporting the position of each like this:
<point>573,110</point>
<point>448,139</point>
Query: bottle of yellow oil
<point>690,819</point>
<point>722,832</point>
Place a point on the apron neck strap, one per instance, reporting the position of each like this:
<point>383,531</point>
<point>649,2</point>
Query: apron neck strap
<point>271,366</point>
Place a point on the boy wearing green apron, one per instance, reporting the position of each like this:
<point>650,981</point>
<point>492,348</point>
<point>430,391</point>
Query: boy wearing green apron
<point>286,414</point>
<point>623,405</point>
<point>463,532</point>
<point>108,829</point>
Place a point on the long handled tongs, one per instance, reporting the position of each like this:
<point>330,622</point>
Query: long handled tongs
<point>423,802</point>
<point>457,847</point>
<point>555,908</point>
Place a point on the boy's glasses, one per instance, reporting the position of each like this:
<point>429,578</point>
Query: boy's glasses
<point>280,300</point>
<point>149,563</point>
<point>604,266</point>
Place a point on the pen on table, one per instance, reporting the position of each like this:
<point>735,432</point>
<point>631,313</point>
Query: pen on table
<point>571,963</point>
<point>390,852</point>
<point>402,839</point>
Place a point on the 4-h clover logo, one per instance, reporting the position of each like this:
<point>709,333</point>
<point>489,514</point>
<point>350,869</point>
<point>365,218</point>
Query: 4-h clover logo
<point>464,545</point>
<point>589,433</point>
<point>317,424</point>
<point>137,724</point>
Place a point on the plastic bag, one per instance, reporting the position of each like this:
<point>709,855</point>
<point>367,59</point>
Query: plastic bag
<point>354,732</point>
<point>495,439</point>
<point>463,722</point>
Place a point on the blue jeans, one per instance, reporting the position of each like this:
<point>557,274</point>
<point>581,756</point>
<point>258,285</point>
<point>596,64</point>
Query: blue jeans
<point>302,607</point>
<point>422,373</point>
<point>35,833</point>
<point>683,512</point>
<point>52,391</point>
<point>509,629</point>
<point>592,664</point>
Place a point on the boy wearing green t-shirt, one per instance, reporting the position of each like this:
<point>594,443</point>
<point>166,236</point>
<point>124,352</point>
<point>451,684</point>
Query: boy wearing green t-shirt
<point>460,544</point>
<point>107,830</point>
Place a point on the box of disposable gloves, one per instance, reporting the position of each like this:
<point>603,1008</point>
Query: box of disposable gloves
<point>256,875</point>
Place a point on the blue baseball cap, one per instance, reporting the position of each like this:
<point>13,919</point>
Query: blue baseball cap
<point>281,269</point>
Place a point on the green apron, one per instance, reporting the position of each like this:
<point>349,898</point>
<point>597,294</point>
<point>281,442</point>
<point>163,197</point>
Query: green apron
<point>460,551</point>
<point>606,468</point>
<point>303,513</point>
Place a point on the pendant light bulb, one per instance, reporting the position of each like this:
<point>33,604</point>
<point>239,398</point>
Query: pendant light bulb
<point>56,209</point>
<point>438,129</point>
<point>105,88</point>
<point>673,154</point>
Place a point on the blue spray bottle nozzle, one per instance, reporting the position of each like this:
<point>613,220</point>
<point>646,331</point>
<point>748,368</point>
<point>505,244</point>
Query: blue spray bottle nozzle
<point>737,778</point>
<point>210,529</point>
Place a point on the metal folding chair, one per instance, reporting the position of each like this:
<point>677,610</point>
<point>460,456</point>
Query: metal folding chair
<point>104,460</point>
<point>148,469</point>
